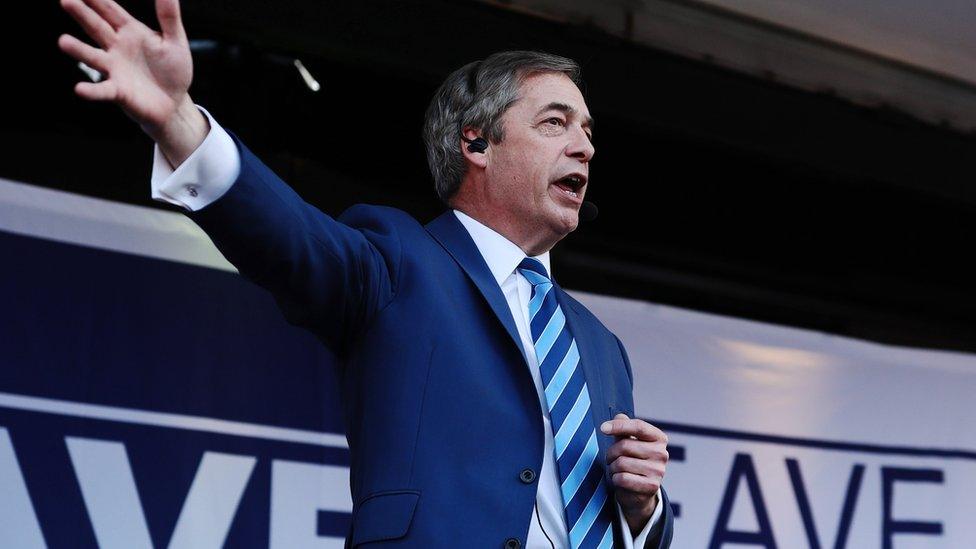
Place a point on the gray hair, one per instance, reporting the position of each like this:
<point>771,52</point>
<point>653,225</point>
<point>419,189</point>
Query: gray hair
<point>477,95</point>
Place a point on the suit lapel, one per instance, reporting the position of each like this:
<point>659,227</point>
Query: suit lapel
<point>449,232</point>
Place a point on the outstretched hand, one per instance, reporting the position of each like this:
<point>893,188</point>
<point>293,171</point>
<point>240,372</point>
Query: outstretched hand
<point>147,73</point>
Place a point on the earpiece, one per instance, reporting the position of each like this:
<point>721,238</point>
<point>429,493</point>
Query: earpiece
<point>476,145</point>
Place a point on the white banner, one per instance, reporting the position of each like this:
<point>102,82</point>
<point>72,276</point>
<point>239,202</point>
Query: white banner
<point>779,437</point>
<point>791,438</point>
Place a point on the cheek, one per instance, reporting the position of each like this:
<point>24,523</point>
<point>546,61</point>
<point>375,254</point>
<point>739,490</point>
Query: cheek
<point>523,176</point>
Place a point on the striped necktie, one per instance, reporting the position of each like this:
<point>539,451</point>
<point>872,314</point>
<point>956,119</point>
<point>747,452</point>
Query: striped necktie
<point>586,499</point>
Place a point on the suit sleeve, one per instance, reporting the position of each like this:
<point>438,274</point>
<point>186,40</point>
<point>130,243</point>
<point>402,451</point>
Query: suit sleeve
<point>661,538</point>
<point>330,276</point>
<point>663,530</point>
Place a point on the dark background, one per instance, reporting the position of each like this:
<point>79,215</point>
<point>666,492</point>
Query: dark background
<point>718,191</point>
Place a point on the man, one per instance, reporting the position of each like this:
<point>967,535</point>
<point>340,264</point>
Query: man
<point>483,405</point>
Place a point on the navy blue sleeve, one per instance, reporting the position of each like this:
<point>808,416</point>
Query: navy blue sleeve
<point>330,276</point>
<point>660,537</point>
<point>664,529</point>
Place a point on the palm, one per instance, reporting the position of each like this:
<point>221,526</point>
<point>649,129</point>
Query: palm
<point>147,73</point>
<point>150,73</point>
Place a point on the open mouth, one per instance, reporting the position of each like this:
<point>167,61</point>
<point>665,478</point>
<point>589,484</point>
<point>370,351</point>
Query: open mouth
<point>571,184</point>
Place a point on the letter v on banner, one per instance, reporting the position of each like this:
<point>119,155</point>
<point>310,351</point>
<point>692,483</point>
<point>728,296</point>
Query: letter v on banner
<point>803,502</point>
<point>113,504</point>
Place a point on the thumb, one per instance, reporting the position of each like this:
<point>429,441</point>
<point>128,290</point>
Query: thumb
<point>607,426</point>
<point>170,22</point>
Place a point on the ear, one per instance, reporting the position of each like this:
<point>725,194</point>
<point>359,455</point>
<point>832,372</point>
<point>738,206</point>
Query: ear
<point>479,160</point>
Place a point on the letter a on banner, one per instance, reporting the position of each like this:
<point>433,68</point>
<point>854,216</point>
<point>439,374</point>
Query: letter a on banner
<point>742,468</point>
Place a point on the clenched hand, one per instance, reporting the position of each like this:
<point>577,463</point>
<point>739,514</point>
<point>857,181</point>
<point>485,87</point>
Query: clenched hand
<point>637,461</point>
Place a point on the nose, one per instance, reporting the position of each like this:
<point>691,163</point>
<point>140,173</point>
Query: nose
<point>581,148</point>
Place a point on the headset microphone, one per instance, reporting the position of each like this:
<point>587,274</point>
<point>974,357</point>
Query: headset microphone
<point>588,211</point>
<point>476,145</point>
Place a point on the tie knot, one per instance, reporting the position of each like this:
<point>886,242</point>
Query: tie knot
<point>534,271</point>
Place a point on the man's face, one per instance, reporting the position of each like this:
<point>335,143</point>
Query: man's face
<point>540,169</point>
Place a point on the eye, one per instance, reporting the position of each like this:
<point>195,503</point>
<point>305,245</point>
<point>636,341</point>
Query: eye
<point>555,121</point>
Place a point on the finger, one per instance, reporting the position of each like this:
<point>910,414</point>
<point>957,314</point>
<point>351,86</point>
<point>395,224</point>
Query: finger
<point>170,21</point>
<point>635,483</point>
<point>80,51</point>
<point>113,13</point>
<point>610,427</point>
<point>92,23</point>
<point>627,464</point>
<point>622,426</point>
<point>102,91</point>
<point>637,448</point>
<point>653,470</point>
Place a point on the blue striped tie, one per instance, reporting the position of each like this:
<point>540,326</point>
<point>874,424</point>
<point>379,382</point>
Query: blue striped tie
<point>586,499</point>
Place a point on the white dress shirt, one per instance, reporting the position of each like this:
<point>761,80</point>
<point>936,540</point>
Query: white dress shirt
<point>502,257</point>
<point>212,169</point>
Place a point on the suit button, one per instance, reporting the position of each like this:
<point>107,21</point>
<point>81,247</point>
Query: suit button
<point>527,476</point>
<point>512,543</point>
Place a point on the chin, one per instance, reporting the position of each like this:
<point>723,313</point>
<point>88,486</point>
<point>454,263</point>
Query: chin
<point>565,223</point>
<point>572,224</point>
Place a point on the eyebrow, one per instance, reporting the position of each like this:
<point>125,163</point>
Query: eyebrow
<point>588,122</point>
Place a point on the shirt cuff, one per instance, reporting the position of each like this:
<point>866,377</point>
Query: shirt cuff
<point>203,177</point>
<point>641,540</point>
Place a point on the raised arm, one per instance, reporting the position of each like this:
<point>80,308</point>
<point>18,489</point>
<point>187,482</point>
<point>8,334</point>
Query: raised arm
<point>147,73</point>
<point>329,276</point>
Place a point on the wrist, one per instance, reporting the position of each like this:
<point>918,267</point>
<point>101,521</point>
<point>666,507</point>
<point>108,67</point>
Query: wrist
<point>182,133</point>
<point>637,517</point>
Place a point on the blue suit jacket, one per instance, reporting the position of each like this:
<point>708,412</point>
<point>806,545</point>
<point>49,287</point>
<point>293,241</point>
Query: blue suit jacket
<point>441,412</point>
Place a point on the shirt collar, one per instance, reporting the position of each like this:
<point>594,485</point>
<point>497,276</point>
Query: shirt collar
<point>500,253</point>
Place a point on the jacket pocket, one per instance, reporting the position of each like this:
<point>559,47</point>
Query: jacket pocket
<point>384,516</point>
